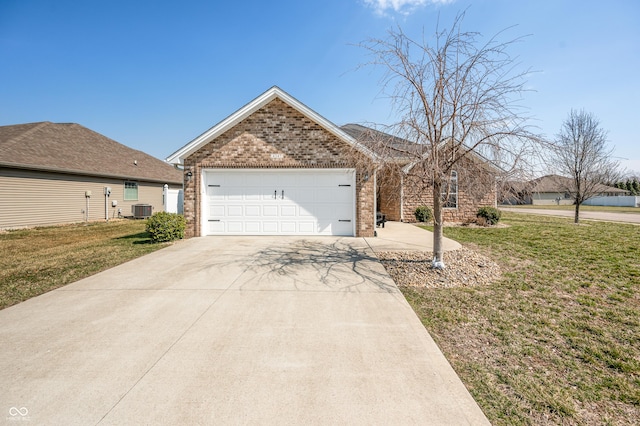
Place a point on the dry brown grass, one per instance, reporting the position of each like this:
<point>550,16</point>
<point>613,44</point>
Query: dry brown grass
<point>38,260</point>
<point>557,339</point>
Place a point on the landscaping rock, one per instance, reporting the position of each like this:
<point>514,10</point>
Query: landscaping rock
<point>464,268</point>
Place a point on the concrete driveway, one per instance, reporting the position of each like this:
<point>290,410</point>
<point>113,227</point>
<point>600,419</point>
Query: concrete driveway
<point>229,330</point>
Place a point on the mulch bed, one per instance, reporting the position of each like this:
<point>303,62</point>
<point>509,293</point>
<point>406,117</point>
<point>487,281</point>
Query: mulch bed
<point>464,268</point>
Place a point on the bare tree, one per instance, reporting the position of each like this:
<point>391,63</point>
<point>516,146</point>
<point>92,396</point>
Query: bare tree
<point>456,98</point>
<point>580,152</point>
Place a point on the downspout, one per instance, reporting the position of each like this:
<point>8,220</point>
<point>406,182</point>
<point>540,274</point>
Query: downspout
<point>87,196</point>
<point>401,196</point>
<point>375,201</point>
<point>165,197</point>
<point>107,192</point>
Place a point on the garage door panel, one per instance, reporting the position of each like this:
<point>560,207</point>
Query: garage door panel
<point>253,194</point>
<point>217,211</point>
<point>334,211</point>
<point>216,227</point>
<point>292,202</point>
<point>307,210</point>
<point>268,194</point>
<point>341,211</point>
<point>341,228</point>
<point>270,227</point>
<point>307,227</point>
<point>253,210</point>
<point>297,195</point>
<point>214,193</point>
<point>266,179</point>
<point>252,227</point>
<point>288,211</point>
<point>235,211</point>
<point>288,227</point>
<point>235,227</point>
<point>270,210</point>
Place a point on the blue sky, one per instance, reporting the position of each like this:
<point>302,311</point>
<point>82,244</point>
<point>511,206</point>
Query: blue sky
<point>154,74</point>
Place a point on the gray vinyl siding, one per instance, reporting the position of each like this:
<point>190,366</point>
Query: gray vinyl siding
<point>549,198</point>
<point>32,198</point>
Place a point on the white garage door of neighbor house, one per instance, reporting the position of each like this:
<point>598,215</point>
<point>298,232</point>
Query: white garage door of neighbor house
<point>279,202</point>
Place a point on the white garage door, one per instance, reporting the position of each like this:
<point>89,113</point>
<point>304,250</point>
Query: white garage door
<point>279,202</point>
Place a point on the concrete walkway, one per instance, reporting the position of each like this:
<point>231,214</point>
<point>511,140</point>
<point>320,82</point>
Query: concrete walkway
<point>604,216</point>
<point>229,330</point>
<point>398,236</point>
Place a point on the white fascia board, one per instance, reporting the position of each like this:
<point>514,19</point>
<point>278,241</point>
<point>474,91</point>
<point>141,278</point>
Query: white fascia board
<point>275,92</point>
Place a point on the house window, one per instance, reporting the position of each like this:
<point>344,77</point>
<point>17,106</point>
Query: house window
<point>450,192</point>
<point>131,191</point>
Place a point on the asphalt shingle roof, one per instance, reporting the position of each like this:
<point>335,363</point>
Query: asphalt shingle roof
<point>556,183</point>
<point>72,148</point>
<point>382,143</point>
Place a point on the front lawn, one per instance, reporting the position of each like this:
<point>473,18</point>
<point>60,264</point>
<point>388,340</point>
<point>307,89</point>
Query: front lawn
<point>557,339</point>
<point>38,260</point>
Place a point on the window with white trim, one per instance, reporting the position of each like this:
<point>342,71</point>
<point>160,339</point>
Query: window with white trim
<point>131,191</point>
<point>450,192</point>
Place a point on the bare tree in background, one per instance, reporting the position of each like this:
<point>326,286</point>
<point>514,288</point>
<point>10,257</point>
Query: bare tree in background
<point>456,96</point>
<point>580,152</point>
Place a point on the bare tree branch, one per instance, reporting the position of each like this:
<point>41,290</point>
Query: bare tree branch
<point>580,152</point>
<point>458,100</point>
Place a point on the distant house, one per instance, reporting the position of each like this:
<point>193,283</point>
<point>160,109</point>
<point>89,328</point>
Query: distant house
<point>53,173</point>
<point>400,189</point>
<point>551,189</point>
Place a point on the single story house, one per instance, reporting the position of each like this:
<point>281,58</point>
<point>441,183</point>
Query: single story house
<point>276,167</point>
<point>550,190</point>
<point>54,173</point>
<point>403,184</point>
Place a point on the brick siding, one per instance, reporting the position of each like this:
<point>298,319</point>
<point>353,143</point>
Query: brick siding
<point>280,129</point>
<point>476,188</point>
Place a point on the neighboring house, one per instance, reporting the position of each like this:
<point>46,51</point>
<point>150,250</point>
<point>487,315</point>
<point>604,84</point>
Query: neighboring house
<point>554,189</point>
<point>402,186</point>
<point>53,173</point>
<point>275,167</point>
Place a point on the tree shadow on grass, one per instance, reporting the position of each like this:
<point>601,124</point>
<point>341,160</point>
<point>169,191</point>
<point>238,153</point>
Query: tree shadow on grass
<point>139,238</point>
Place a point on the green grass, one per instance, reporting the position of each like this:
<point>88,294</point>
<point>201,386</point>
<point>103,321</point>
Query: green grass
<point>38,260</point>
<point>557,339</point>
<point>611,209</point>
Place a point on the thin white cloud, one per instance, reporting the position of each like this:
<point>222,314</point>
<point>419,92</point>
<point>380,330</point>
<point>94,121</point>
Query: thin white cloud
<point>401,6</point>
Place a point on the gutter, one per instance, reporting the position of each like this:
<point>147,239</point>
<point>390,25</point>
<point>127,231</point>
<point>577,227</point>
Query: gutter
<point>85,173</point>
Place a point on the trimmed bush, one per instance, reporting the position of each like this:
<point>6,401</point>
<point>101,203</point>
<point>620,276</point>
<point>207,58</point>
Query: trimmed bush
<point>489,215</point>
<point>423,214</point>
<point>163,226</point>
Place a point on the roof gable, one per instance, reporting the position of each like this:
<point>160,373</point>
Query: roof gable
<point>253,106</point>
<point>72,148</point>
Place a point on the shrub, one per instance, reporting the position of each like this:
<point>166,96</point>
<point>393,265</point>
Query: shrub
<point>423,214</point>
<point>488,215</point>
<point>163,226</point>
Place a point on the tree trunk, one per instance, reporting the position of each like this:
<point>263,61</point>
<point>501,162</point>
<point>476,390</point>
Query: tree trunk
<point>438,261</point>
<point>576,216</point>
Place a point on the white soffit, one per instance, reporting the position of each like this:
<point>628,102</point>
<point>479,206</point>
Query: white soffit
<point>244,112</point>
